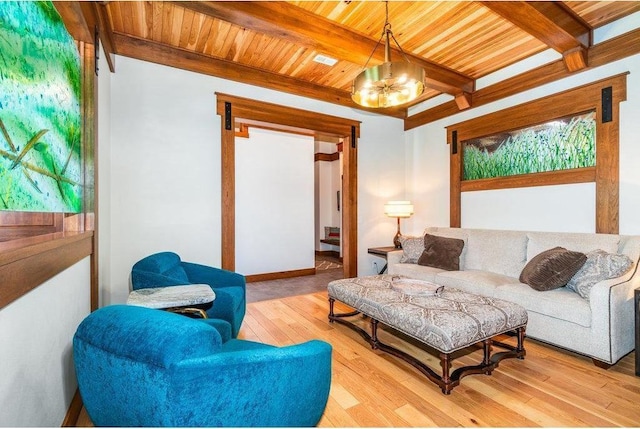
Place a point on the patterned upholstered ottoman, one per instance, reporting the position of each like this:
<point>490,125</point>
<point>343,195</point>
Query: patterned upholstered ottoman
<point>447,321</point>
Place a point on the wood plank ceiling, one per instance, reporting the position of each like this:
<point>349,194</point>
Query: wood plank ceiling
<point>273,44</point>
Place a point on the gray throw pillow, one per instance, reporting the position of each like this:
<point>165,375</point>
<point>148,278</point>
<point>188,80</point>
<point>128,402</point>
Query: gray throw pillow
<point>412,248</point>
<point>552,268</point>
<point>600,266</point>
<point>441,252</point>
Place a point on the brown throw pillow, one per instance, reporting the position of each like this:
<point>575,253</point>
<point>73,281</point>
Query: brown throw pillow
<point>441,252</point>
<point>552,268</point>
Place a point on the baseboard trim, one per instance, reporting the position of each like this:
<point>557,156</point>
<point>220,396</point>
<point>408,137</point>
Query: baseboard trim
<point>73,413</point>
<point>280,275</point>
<point>332,253</point>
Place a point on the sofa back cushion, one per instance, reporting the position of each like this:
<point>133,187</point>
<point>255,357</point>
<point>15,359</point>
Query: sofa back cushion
<point>502,252</point>
<point>154,337</point>
<point>451,233</point>
<point>166,264</point>
<point>578,242</point>
<point>441,252</point>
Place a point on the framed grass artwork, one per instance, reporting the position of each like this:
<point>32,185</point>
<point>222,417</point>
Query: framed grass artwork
<point>562,144</point>
<point>41,167</point>
<point>565,138</point>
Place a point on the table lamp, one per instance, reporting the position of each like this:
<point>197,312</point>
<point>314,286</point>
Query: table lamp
<point>398,209</point>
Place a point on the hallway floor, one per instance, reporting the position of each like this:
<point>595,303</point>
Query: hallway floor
<point>282,288</point>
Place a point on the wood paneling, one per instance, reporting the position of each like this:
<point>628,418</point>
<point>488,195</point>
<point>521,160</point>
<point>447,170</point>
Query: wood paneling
<point>25,265</point>
<point>15,225</point>
<point>550,23</point>
<point>582,99</point>
<point>603,53</point>
<point>273,44</point>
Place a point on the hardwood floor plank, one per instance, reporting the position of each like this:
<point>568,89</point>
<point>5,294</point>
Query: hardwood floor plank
<point>551,387</point>
<point>417,419</point>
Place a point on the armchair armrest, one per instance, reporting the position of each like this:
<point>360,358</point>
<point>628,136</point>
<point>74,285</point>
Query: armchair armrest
<point>214,277</point>
<point>261,386</point>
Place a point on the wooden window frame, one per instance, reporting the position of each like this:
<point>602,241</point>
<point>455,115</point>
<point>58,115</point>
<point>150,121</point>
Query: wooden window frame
<point>605,174</point>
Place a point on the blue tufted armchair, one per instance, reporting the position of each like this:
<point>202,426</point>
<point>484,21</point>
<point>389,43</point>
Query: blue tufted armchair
<point>142,367</point>
<point>166,269</point>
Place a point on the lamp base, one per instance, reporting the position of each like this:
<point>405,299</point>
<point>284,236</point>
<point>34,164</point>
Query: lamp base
<point>396,241</point>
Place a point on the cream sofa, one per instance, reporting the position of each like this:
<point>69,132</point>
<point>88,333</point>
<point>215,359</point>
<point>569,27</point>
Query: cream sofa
<point>601,327</point>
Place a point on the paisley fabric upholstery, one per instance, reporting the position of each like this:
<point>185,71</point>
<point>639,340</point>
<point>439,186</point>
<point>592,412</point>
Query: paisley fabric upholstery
<point>448,321</point>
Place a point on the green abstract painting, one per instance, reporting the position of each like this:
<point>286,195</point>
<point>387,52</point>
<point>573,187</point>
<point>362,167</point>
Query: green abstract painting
<point>562,144</point>
<point>40,120</point>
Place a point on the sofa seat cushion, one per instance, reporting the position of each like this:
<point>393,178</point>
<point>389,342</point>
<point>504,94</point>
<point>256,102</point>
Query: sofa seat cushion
<point>561,304</point>
<point>474,281</point>
<point>415,271</point>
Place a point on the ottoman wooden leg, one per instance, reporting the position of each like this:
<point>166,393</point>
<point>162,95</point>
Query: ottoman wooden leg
<point>445,363</point>
<point>520,348</point>
<point>486,361</point>
<point>374,334</point>
<point>331,313</point>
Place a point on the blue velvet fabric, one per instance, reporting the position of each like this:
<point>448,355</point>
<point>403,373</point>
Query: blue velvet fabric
<point>142,367</point>
<point>166,269</point>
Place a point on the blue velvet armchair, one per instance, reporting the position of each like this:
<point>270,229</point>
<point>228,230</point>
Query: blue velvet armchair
<point>142,367</point>
<point>166,269</point>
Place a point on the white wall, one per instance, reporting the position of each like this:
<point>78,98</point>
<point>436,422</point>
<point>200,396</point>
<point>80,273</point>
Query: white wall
<point>103,189</point>
<point>165,167</point>
<point>548,208</point>
<point>274,202</point>
<point>328,183</point>
<point>36,330</point>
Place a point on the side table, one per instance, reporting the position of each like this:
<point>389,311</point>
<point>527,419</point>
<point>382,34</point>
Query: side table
<point>636,301</point>
<point>183,299</point>
<point>382,252</point>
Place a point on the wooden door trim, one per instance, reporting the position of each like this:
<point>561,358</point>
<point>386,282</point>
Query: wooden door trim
<point>230,108</point>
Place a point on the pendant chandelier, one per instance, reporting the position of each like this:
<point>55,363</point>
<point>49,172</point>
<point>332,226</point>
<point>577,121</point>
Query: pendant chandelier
<point>391,83</point>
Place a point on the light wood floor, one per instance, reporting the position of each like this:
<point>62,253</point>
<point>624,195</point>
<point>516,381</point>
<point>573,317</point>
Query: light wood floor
<point>550,387</point>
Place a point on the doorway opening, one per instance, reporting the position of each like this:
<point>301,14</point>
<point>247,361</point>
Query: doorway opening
<point>235,111</point>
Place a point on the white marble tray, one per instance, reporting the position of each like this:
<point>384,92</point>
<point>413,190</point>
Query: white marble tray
<point>416,287</point>
<point>172,296</point>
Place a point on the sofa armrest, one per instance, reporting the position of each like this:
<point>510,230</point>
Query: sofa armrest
<point>612,313</point>
<point>394,257</point>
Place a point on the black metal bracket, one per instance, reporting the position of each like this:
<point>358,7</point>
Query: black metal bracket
<point>607,104</point>
<point>454,142</point>
<point>227,116</point>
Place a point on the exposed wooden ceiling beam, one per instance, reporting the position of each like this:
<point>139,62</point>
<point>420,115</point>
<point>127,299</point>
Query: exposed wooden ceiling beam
<point>74,20</point>
<point>187,60</point>
<point>105,32</point>
<point>551,24</point>
<point>81,18</point>
<point>299,26</point>
<point>603,53</point>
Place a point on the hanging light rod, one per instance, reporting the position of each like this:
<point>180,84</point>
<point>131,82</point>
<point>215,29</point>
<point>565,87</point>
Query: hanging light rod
<point>391,83</point>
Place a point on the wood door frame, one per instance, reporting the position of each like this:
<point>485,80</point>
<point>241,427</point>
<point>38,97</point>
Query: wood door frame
<point>232,108</point>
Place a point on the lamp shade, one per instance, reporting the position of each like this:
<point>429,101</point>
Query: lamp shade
<point>398,209</point>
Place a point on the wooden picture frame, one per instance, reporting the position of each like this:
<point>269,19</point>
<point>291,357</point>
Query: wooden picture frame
<point>603,97</point>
